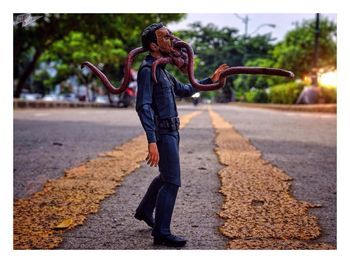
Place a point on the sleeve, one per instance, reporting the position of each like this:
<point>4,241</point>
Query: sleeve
<point>144,103</point>
<point>187,90</point>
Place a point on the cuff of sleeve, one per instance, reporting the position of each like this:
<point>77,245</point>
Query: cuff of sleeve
<point>151,137</point>
<point>206,81</point>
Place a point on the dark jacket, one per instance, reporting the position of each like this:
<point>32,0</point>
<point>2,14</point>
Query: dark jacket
<point>158,100</point>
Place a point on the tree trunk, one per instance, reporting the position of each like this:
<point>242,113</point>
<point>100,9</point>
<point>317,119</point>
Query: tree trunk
<point>27,72</point>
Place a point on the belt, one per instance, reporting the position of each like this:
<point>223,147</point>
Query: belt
<point>169,124</point>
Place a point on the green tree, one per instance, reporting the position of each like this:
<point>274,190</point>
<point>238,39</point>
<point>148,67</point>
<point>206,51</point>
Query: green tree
<point>60,32</point>
<point>296,51</point>
<point>257,54</point>
<point>76,47</point>
<point>212,47</point>
<point>244,83</point>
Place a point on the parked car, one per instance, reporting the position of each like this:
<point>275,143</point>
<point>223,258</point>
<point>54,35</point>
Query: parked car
<point>30,96</point>
<point>50,97</point>
<point>70,97</point>
<point>102,99</point>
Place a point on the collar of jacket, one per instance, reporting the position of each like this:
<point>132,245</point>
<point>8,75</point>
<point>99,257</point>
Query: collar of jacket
<point>149,60</point>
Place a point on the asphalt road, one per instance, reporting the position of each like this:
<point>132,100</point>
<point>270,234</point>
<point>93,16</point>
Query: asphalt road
<point>195,212</point>
<point>302,144</point>
<point>46,142</point>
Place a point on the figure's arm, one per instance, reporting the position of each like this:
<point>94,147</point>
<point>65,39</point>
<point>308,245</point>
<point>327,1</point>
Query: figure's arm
<point>186,90</point>
<point>146,113</point>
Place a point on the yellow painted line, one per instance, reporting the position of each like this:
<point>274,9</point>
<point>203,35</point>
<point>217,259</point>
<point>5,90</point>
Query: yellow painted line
<point>259,211</point>
<point>65,202</point>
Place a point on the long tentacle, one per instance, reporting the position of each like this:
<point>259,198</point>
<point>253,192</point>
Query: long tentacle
<point>257,70</point>
<point>193,81</point>
<point>227,72</point>
<point>159,61</point>
<point>133,53</point>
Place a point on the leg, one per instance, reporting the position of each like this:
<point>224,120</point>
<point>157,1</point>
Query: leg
<point>164,209</point>
<point>147,205</point>
<point>169,163</point>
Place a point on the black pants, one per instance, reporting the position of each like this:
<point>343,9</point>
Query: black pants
<point>162,192</point>
<point>169,162</point>
<point>161,197</point>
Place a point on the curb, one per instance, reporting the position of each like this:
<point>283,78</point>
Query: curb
<point>317,108</point>
<point>22,104</point>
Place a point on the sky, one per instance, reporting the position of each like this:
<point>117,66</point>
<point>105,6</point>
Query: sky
<point>257,23</point>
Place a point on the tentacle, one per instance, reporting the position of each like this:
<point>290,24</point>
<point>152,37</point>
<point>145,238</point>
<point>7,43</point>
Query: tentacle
<point>156,63</point>
<point>190,68</point>
<point>177,58</point>
<point>132,54</point>
<point>257,71</point>
<point>227,72</point>
<point>181,62</point>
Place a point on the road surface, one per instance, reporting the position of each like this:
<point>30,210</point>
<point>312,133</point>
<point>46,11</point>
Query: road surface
<point>47,142</point>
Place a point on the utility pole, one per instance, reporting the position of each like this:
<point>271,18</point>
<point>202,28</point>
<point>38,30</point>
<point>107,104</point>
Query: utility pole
<point>245,21</point>
<point>316,51</point>
<point>312,95</point>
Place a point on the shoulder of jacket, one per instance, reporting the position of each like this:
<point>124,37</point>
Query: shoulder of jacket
<point>145,64</point>
<point>144,70</point>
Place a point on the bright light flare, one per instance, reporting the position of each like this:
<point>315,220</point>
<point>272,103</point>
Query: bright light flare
<point>307,79</point>
<point>328,78</point>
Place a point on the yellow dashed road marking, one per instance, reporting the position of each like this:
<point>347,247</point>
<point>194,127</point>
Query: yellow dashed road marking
<point>65,202</point>
<point>258,209</point>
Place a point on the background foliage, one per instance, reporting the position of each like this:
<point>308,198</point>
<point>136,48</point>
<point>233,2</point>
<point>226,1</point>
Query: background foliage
<point>49,52</point>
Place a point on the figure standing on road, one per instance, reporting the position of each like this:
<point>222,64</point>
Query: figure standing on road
<point>157,111</point>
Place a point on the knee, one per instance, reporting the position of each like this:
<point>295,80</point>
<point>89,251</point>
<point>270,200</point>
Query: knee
<point>171,188</point>
<point>158,179</point>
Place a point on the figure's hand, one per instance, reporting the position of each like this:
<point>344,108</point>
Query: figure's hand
<point>153,154</point>
<point>215,77</point>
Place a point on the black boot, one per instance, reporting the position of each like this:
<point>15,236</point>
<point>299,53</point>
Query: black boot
<point>145,209</point>
<point>170,241</point>
<point>148,220</point>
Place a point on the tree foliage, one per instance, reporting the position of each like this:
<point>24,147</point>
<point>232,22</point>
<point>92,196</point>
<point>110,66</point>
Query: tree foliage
<point>67,38</point>
<point>296,51</point>
<point>214,46</point>
<point>60,42</point>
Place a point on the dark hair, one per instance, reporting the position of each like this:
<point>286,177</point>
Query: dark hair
<point>148,34</point>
